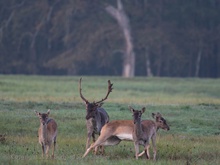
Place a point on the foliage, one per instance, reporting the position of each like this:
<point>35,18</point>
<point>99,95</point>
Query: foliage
<point>79,37</point>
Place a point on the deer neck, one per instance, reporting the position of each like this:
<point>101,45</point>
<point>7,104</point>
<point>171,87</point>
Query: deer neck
<point>98,122</point>
<point>95,125</point>
<point>157,126</point>
<point>91,125</point>
<point>43,132</point>
<point>138,129</point>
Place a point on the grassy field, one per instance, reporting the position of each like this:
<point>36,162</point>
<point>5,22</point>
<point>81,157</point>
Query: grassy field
<point>190,106</point>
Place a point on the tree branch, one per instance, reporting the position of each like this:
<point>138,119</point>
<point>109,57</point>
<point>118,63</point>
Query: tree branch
<point>17,5</point>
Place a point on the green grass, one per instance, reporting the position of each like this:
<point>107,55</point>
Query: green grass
<point>190,106</point>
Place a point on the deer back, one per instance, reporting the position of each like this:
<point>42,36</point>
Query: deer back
<point>52,128</point>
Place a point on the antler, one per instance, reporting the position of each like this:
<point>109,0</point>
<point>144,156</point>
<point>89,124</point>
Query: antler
<point>109,90</point>
<point>80,91</point>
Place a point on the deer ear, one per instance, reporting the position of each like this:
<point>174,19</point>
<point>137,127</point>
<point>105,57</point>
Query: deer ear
<point>86,102</point>
<point>131,109</point>
<point>99,104</point>
<point>48,112</point>
<point>153,115</point>
<point>143,110</point>
<point>96,105</point>
<point>37,113</point>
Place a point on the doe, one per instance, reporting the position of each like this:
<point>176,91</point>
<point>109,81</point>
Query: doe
<point>47,132</point>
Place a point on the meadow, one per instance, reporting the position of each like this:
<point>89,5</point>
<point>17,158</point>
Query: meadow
<point>191,107</point>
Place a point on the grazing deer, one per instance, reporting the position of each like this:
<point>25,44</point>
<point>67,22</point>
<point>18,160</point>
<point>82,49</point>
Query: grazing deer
<point>47,132</point>
<point>115,131</point>
<point>96,117</point>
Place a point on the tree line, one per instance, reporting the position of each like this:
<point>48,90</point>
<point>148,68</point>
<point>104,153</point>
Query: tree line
<point>172,38</point>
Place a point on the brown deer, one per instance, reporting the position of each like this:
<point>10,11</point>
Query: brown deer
<point>150,128</point>
<point>115,131</point>
<point>47,132</point>
<point>96,117</point>
<point>138,135</point>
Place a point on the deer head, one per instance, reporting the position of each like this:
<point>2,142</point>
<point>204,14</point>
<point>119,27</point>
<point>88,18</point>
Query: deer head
<point>91,108</point>
<point>43,116</point>
<point>161,122</point>
<point>137,114</point>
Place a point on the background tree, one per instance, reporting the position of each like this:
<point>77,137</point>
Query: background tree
<point>129,56</point>
<point>74,37</point>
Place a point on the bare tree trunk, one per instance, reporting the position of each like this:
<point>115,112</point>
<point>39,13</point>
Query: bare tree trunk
<point>5,25</point>
<point>44,21</point>
<point>33,56</point>
<point>148,64</point>
<point>159,61</point>
<point>198,63</point>
<point>123,21</point>
<point>8,21</point>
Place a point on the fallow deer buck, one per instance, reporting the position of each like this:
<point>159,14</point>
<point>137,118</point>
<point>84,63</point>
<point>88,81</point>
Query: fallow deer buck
<point>96,117</point>
<point>47,132</point>
<point>130,130</point>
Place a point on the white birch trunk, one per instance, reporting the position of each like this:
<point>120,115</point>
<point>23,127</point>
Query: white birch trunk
<point>123,21</point>
<point>198,63</point>
<point>148,64</point>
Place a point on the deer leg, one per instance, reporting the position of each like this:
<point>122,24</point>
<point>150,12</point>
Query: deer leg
<point>155,153</point>
<point>102,150</point>
<point>88,150</point>
<point>99,149</point>
<point>147,154</point>
<point>97,143</point>
<point>93,137</point>
<point>89,134</point>
<point>54,146</point>
<point>43,149</point>
<point>154,146</point>
<point>94,145</point>
<point>136,146</point>
<point>96,148</point>
<point>47,149</point>
<point>142,153</point>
